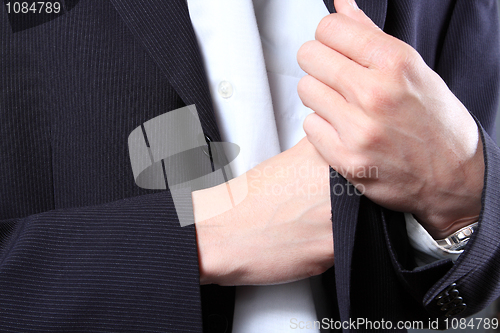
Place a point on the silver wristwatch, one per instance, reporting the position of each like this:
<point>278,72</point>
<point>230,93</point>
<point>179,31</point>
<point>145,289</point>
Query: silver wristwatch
<point>458,240</point>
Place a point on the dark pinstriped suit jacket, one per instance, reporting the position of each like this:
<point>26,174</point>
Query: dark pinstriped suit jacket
<point>82,249</point>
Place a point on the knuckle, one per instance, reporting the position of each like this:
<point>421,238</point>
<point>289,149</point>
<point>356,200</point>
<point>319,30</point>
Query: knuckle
<point>371,136</point>
<point>390,54</point>
<point>358,161</point>
<point>400,59</point>
<point>368,137</point>
<point>378,98</point>
<point>375,48</point>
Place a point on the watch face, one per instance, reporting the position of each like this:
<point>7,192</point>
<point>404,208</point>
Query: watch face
<point>458,240</point>
<point>461,245</point>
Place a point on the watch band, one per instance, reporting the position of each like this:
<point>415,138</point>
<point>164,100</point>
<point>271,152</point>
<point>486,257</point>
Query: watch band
<point>458,240</point>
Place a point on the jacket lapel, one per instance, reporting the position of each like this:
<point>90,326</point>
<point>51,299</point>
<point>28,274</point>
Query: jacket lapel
<point>345,207</point>
<point>164,27</point>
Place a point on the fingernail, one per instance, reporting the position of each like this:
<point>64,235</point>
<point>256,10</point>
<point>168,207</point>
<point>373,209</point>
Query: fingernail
<point>354,4</point>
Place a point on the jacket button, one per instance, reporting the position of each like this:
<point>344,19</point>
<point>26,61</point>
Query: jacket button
<point>457,310</point>
<point>448,297</point>
<point>450,302</point>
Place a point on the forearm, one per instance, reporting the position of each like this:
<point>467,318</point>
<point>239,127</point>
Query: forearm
<point>280,232</point>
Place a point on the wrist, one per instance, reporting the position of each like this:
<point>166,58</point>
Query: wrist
<point>456,199</point>
<point>215,208</point>
<point>459,239</point>
<point>449,228</point>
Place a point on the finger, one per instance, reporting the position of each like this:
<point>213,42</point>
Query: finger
<point>365,45</point>
<point>333,69</point>
<point>351,9</point>
<point>323,137</point>
<point>327,103</point>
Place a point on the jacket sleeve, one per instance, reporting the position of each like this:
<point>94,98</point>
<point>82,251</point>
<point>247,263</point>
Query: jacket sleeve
<point>119,267</point>
<point>467,58</point>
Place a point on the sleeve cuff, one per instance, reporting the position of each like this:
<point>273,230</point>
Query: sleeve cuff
<point>426,248</point>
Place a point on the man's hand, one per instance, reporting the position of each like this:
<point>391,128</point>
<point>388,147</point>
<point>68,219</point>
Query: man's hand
<point>390,124</point>
<point>281,232</point>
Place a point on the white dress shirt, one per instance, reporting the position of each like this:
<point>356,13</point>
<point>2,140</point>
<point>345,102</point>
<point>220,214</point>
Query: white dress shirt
<point>249,50</point>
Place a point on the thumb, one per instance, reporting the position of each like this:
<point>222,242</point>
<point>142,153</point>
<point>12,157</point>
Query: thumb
<point>351,9</point>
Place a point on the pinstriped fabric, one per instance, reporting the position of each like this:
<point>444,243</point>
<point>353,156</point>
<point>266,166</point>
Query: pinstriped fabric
<point>477,271</point>
<point>454,45</point>
<point>29,184</point>
<point>71,91</point>
<point>122,266</point>
<point>376,10</point>
<point>165,30</point>
<point>329,5</point>
<point>375,286</point>
<point>469,51</point>
<point>75,254</point>
<point>344,216</point>
<point>176,53</point>
<point>484,250</point>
